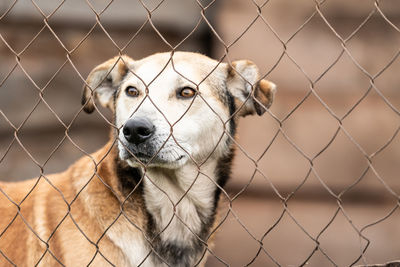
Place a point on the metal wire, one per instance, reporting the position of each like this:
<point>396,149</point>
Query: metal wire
<point>312,91</point>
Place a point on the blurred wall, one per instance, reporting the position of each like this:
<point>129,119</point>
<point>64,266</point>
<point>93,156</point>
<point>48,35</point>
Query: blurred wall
<point>334,130</point>
<point>311,146</point>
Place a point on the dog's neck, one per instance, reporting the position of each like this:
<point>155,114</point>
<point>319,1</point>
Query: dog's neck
<point>181,205</point>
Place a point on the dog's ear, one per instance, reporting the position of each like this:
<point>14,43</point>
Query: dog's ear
<point>103,81</point>
<point>251,94</point>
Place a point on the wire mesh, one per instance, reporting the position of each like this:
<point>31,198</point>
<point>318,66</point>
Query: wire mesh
<point>262,252</point>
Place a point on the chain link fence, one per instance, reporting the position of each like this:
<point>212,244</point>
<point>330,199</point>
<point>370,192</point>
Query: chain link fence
<point>314,181</point>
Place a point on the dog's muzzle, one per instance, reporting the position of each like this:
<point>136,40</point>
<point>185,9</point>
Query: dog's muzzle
<point>143,144</point>
<point>137,131</point>
<point>138,142</point>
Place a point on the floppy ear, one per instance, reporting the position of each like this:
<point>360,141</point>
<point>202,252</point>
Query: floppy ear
<point>103,81</point>
<point>251,94</point>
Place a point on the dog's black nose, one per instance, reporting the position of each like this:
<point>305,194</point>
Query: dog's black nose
<point>137,131</point>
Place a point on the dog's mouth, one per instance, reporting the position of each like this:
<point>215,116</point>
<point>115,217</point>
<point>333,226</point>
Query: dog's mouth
<point>167,158</point>
<point>145,158</point>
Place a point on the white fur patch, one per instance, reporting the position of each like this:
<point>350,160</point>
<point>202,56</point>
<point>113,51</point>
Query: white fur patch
<point>190,193</point>
<point>133,245</point>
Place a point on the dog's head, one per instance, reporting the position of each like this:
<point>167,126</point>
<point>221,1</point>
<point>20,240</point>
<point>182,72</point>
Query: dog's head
<point>172,109</point>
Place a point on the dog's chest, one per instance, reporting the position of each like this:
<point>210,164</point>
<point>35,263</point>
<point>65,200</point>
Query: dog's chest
<point>179,204</point>
<point>180,208</point>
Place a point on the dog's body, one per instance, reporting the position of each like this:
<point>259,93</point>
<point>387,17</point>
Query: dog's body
<point>150,196</point>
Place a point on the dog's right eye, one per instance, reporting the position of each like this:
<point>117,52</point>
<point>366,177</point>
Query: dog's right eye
<point>132,91</point>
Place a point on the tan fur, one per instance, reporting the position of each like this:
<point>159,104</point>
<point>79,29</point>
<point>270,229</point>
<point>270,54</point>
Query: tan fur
<point>45,208</point>
<point>258,95</point>
<point>115,67</point>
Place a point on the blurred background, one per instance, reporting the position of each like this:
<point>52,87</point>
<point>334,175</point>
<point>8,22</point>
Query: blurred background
<point>327,156</point>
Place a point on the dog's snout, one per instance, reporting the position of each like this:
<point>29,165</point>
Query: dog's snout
<point>137,131</point>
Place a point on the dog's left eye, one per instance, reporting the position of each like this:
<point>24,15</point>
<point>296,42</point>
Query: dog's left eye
<point>132,91</point>
<point>187,92</point>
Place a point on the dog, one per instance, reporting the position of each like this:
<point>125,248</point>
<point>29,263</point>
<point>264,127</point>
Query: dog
<point>150,196</point>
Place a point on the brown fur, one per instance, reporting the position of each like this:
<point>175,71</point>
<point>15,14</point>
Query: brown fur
<point>93,210</point>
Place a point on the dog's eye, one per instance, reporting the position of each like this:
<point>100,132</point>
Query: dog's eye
<point>132,91</point>
<point>187,92</point>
